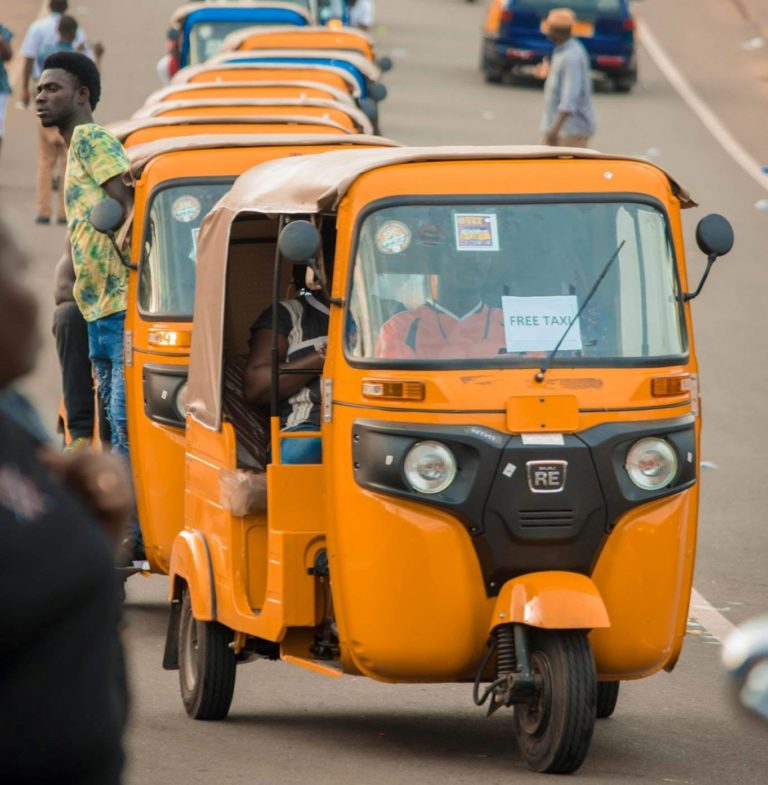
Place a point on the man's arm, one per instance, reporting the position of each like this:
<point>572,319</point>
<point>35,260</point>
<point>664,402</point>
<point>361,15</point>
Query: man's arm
<point>28,51</point>
<point>117,188</point>
<point>64,278</point>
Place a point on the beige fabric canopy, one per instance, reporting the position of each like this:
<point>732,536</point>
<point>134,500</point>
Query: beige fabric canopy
<point>234,40</point>
<point>123,129</point>
<point>160,95</point>
<point>358,116</point>
<point>185,75</point>
<point>180,14</point>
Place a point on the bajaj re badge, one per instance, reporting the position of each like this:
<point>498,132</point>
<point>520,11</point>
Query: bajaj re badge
<point>546,476</point>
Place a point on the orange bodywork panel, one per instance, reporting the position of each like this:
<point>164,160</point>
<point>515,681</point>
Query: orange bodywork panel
<point>184,93</point>
<point>318,39</point>
<point>191,562</point>
<point>551,600</point>
<point>272,74</point>
<point>145,135</point>
<point>332,113</point>
<point>543,413</point>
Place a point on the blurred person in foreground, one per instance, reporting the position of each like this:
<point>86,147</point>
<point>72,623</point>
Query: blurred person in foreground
<point>6,53</point>
<point>63,695</point>
<point>362,14</point>
<point>569,119</point>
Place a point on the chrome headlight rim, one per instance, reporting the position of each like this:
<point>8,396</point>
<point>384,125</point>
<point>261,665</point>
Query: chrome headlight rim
<point>415,478</point>
<point>668,469</point>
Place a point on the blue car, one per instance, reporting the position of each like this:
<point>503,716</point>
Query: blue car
<point>513,38</point>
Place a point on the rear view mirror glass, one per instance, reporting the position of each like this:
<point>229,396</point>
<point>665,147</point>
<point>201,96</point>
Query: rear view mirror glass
<point>299,241</point>
<point>714,235</point>
<point>107,216</point>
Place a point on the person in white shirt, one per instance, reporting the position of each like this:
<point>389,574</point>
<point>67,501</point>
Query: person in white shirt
<point>42,36</point>
<point>362,13</point>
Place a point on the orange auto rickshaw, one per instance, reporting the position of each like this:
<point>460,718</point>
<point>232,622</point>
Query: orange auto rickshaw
<point>344,114</point>
<point>508,490</point>
<point>149,129</point>
<point>284,88</point>
<point>177,181</point>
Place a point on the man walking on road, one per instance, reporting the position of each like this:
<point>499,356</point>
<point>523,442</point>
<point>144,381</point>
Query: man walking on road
<point>569,120</point>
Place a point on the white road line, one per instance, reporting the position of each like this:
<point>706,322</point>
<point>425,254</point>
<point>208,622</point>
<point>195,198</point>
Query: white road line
<point>711,619</point>
<point>697,105</point>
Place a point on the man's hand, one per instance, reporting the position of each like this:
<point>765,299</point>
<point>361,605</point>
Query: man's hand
<point>101,481</point>
<point>551,137</point>
<point>25,97</point>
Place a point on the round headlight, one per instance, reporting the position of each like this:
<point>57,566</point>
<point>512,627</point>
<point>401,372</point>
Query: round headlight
<point>430,467</point>
<point>181,400</point>
<point>651,464</point>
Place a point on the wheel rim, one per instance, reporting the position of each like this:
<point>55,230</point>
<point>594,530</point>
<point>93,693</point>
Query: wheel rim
<point>190,650</point>
<point>534,717</point>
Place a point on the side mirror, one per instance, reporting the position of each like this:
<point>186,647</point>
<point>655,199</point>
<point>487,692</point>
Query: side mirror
<point>714,236</point>
<point>299,242</point>
<point>385,64</point>
<point>106,216</point>
<point>377,91</point>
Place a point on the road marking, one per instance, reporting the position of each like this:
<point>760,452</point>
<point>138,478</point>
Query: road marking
<point>711,619</point>
<point>675,77</point>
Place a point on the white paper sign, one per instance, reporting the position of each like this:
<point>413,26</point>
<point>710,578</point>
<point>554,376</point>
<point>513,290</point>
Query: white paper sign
<point>536,324</point>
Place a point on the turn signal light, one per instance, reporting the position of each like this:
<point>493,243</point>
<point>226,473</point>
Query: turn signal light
<point>666,386</point>
<point>393,390</point>
<point>170,338</point>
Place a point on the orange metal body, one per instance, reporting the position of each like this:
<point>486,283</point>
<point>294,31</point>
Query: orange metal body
<point>317,39</point>
<point>255,90</point>
<point>145,135</point>
<point>408,594</point>
<point>321,75</point>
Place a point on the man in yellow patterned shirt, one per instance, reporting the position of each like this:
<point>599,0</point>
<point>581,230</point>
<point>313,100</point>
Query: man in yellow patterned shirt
<point>97,168</point>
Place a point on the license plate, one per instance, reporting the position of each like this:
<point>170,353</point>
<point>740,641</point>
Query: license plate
<point>580,29</point>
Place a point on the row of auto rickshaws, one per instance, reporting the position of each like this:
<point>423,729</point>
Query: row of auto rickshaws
<point>508,488</point>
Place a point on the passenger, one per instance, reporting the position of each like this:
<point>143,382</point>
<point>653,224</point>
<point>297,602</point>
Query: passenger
<point>303,336</point>
<point>454,324</point>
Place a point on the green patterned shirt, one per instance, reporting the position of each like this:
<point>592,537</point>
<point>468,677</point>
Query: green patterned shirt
<point>101,284</point>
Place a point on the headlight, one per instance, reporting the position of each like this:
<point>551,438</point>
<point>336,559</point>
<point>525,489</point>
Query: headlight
<point>181,400</point>
<point>651,464</point>
<point>430,467</point>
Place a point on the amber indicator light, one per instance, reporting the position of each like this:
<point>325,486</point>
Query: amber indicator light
<point>393,390</point>
<point>666,386</point>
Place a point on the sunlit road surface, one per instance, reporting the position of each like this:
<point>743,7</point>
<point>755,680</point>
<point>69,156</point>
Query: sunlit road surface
<point>288,726</point>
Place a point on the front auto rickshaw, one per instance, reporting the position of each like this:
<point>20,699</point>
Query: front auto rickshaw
<point>507,491</point>
<point>343,113</point>
<point>177,181</point>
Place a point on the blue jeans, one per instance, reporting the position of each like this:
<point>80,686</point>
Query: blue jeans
<point>105,349</point>
<point>309,450</point>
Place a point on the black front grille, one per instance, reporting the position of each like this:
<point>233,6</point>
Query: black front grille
<point>530,519</point>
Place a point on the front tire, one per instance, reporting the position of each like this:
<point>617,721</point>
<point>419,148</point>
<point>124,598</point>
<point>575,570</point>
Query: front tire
<point>554,733</point>
<point>607,695</point>
<point>206,665</point>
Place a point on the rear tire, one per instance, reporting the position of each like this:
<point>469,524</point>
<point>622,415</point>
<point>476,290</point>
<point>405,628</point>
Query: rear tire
<point>555,732</point>
<point>607,695</point>
<point>493,75</point>
<point>206,665</point>
<point>623,84</point>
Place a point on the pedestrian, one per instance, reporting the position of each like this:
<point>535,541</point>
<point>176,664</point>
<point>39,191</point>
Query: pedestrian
<point>97,168</point>
<point>362,14</point>
<point>41,36</point>
<point>71,333</point>
<point>6,53</point>
<point>62,676</point>
<point>569,119</point>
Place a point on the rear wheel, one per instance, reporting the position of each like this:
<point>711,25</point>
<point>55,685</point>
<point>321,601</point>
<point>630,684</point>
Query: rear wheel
<point>607,695</point>
<point>555,731</point>
<point>623,84</point>
<point>206,665</point>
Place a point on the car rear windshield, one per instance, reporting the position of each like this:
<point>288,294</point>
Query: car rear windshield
<point>167,274</point>
<point>584,9</point>
<point>501,284</point>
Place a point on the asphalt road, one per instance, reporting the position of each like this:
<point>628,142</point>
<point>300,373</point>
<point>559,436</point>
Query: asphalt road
<point>288,726</point>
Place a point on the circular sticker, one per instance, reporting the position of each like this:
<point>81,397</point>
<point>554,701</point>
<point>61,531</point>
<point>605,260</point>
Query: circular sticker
<point>204,31</point>
<point>185,209</point>
<point>393,237</point>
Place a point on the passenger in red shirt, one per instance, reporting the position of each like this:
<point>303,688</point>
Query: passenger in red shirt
<point>454,325</point>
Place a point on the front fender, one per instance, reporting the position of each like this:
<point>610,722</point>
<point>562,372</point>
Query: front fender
<point>552,601</point>
<point>191,562</point>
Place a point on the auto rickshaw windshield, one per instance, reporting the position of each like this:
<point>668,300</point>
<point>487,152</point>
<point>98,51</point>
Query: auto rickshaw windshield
<point>167,274</point>
<point>501,283</point>
<point>206,38</point>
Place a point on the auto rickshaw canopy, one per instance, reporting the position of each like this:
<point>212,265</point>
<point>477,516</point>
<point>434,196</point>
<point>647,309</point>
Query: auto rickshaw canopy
<point>301,38</point>
<point>353,61</point>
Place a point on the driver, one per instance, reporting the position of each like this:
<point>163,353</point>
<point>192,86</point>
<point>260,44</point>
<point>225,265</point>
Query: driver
<point>455,323</point>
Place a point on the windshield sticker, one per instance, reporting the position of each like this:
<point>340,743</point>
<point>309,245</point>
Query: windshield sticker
<point>393,237</point>
<point>536,324</point>
<point>476,232</point>
<point>185,209</point>
<point>552,439</point>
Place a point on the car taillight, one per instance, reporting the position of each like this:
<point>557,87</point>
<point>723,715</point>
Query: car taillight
<point>507,16</point>
<point>629,25</point>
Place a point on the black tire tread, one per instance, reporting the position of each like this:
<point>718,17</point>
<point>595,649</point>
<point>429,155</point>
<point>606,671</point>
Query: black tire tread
<point>607,695</point>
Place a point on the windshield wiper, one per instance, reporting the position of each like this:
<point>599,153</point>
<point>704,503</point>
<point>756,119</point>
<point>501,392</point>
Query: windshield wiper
<point>548,364</point>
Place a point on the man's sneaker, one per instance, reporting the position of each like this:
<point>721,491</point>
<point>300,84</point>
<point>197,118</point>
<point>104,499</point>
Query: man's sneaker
<point>61,221</point>
<point>42,219</point>
<point>80,443</point>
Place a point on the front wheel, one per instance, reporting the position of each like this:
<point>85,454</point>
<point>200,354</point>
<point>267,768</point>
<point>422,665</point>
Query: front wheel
<point>206,665</point>
<point>554,731</point>
<point>607,695</point>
